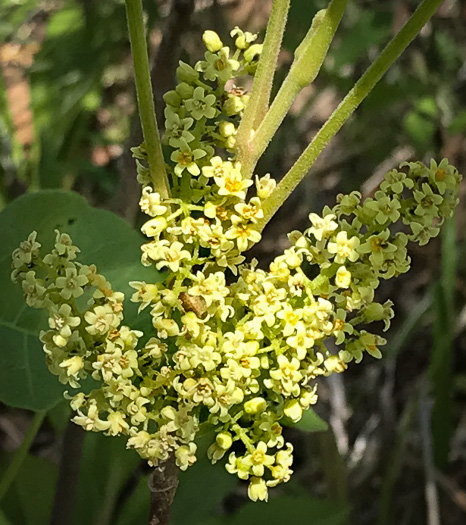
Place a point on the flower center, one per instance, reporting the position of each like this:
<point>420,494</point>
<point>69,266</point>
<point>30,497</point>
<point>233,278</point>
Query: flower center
<point>184,158</point>
<point>258,457</point>
<point>233,185</point>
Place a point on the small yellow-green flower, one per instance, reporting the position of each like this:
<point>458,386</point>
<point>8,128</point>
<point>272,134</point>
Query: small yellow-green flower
<point>185,159</point>
<point>201,105</point>
<point>344,248</point>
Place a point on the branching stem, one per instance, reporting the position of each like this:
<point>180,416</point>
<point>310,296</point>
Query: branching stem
<point>262,86</point>
<point>309,57</point>
<point>346,108</point>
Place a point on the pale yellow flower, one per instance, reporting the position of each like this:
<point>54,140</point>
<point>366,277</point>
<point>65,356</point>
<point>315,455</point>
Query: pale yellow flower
<point>322,227</point>
<point>344,248</point>
<point>343,277</point>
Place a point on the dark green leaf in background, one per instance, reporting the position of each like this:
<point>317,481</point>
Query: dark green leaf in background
<point>287,509</point>
<point>310,422</point>
<point>103,238</point>
<point>30,498</point>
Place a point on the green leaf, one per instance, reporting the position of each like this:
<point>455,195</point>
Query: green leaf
<point>352,47</point>
<point>299,510</point>
<point>30,498</point>
<point>135,509</point>
<point>25,381</point>
<point>310,422</point>
<point>420,123</point>
<point>103,238</point>
<point>202,488</point>
<point>441,362</point>
<point>105,469</point>
<point>4,520</point>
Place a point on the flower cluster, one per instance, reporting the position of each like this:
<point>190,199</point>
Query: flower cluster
<point>208,218</point>
<point>235,349</point>
<point>85,335</point>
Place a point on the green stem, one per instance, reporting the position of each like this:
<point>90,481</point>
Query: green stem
<point>145,97</point>
<point>262,86</point>
<point>346,108</point>
<point>441,361</point>
<point>241,433</point>
<point>20,455</point>
<point>309,57</point>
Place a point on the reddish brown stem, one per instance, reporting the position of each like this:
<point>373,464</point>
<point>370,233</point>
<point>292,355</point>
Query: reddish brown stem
<point>163,483</point>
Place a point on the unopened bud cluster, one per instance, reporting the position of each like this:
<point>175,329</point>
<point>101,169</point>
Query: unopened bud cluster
<point>234,349</point>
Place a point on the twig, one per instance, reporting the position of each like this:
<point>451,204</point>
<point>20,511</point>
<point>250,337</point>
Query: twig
<point>456,493</point>
<point>395,463</point>
<point>68,475</point>
<point>308,59</point>
<point>340,412</point>
<point>163,483</point>
<point>433,510</point>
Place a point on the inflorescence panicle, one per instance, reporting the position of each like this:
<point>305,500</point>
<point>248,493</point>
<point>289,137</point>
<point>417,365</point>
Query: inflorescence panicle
<point>234,348</point>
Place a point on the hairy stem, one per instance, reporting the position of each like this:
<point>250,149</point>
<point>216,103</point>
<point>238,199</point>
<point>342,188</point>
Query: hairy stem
<point>178,22</point>
<point>145,97</point>
<point>263,79</point>
<point>309,57</point>
<point>346,108</point>
<point>20,455</point>
<point>163,484</point>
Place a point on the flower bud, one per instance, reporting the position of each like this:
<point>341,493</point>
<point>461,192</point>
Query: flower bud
<point>227,129</point>
<point>212,41</point>
<point>73,365</point>
<point>224,440</point>
<point>230,142</point>
<point>265,363</point>
<point>240,42</point>
<point>293,410</point>
<point>59,340</point>
<point>307,398</point>
<point>153,227</point>
<point>265,186</point>
<point>243,39</point>
<point>253,53</point>
<point>169,298</point>
<point>374,312</point>
<point>255,405</point>
<point>257,490</point>
<point>335,364</point>
<point>172,98</point>
<point>184,90</point>
<point>210,210</point>
<point>233,105</point>
<point>169,326</point>
<point>186,73</point>
<point>343,277</point>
